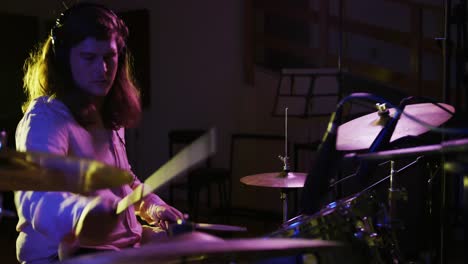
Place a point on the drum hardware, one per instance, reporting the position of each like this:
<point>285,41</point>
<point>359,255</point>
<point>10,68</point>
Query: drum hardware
<point>372,186</point>
<point>349,220</point>
<point>3,140</point>
<point>391,221</point>
<point>289,180</point>
<point>375,226</point>
<point>334,182</point>
<point>449,146</point>
<point>341,220</point>
<point>3,212</point>
<point>286,168</point>
<point>218,227</point>
<point>365,229</point>
<point>284,180</point>
<point>396,193</point>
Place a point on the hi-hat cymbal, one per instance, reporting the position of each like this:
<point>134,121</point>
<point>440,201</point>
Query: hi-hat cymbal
<point>46,172</point>
<point>187,247</point>
<point>276,180</point>
<point>359,133</point>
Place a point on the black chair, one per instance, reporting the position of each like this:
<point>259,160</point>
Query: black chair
<point>201,177</point>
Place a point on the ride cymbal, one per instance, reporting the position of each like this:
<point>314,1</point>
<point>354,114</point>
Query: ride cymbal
<point>47,172</point>
<point>359,133</point>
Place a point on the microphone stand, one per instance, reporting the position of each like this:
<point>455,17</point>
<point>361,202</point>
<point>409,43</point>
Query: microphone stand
<point>446,56</point>
<point>317,181</point>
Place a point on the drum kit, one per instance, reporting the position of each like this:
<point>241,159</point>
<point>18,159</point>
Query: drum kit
<point>369,221</point>
<point>358,223</point>
<point>39,171</point>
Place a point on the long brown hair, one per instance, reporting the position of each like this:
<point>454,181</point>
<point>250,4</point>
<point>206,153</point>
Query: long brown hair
<point>48,73</point>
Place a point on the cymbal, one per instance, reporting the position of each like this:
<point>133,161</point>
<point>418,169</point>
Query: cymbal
<point>457,145</point>
<point>218,227</point>
<point>276,180</point>
<point>201,247</point>
<point>183,226</point>
<point>47,172</point>
<point>359,133</point>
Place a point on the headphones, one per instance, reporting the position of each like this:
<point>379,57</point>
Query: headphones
<point>61,23</point>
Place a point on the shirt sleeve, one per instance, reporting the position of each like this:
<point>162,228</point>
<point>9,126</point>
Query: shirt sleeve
<point>42,131</point>
<point>53,214</point>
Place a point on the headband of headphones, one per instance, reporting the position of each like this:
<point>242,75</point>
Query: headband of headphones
<point>61,21</point>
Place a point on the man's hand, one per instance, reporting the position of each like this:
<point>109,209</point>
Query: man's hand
<point>163,215</point>
<point>96,222</point>
<point>159,214</point>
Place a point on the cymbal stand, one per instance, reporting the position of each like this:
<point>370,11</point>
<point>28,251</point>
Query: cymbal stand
<point>372,186</point>
<point>3,139</point>
<point>395,193</point>
<point>286,168</point>
<point>4,213</point>
<point>447,97</point>
<point>284,191</point>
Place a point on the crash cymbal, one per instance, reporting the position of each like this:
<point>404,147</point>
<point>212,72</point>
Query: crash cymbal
<point>46,172</point>
<point>276,180</point>
<point>359,133</point>
<point>211,250</point>
<point>457,145</point>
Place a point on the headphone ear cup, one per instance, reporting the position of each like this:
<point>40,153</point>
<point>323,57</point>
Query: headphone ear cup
<point>56,33</point>
<point>60,57</point>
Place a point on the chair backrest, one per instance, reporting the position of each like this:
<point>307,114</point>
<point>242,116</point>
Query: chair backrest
<point>179,138</point>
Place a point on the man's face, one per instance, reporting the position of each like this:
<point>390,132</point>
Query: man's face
<point>93,65</point>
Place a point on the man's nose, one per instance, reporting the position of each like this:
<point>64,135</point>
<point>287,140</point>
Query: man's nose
<point>102,66</point>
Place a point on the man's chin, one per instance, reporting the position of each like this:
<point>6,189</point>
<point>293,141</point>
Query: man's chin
<point>99,92</point>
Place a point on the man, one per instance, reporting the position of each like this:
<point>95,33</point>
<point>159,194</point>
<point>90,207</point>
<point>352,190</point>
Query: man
<point>81,96</point>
